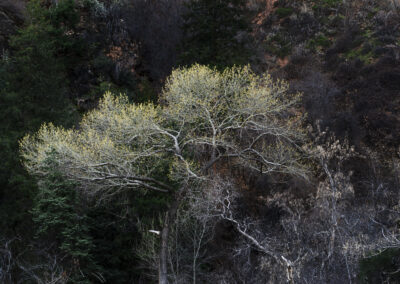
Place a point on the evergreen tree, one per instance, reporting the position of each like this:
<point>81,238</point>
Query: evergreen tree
<point>33,89</point>
<point>211,33</point>
<point>59,216</point>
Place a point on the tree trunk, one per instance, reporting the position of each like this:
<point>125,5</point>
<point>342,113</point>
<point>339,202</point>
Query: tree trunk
<point>169,218</point>
<point>163,269</point>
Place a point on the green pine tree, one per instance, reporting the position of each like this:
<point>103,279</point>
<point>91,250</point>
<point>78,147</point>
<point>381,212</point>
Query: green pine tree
<point>210,33</point>
<point>33,90</point>
<point>59,217</point>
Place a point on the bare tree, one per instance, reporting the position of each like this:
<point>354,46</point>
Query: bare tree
<point>33,264</point>
<point>318,238</point>
<point>6,261</point>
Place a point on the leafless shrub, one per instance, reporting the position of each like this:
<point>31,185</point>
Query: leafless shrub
<point>31,265</point>
<point>187,253</point>
<point>148,249</point>
<point>317,239</point>
<point>6,261</point>
<point>394,5</point>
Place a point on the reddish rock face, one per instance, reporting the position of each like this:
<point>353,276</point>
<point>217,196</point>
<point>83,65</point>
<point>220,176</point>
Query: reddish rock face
<point>11,16</point>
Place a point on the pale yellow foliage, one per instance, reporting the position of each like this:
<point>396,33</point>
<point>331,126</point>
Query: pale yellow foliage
<point>123,145</point>
<point>200,91</point>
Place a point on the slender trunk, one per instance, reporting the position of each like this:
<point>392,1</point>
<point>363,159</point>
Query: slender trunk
<point>163,269</point>
<point>169,219</point>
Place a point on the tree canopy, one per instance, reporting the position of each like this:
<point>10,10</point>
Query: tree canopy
<point>124,145</point>
<point>205,120</point>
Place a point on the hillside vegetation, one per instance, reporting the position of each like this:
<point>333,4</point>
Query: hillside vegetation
<point>199,141</point>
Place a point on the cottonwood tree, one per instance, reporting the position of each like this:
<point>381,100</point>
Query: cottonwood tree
<point>207,122</point>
